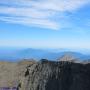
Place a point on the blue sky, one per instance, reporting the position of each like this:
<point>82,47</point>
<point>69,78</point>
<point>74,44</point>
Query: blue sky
<point>45,23</point>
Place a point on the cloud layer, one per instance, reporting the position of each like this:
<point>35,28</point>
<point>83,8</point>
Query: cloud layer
<point>40,13</point>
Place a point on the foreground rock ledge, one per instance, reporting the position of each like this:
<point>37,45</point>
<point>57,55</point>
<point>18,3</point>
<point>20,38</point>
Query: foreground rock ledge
<point>64,75</point>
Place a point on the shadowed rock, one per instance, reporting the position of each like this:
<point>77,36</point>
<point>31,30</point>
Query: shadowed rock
<point>62,75</point>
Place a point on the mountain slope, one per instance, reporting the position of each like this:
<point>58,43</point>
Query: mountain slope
<point>10,73</point>
<point>47,75</point>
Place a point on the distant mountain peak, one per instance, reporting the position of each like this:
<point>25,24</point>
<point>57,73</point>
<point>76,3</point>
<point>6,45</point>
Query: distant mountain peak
<point>67,57</point>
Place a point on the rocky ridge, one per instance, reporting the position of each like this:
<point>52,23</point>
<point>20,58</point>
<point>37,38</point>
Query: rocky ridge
<point>45,75</point>
<point>62,75</point>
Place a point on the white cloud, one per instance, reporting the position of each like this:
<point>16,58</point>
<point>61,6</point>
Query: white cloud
<point>41,13</point>
<point>60,5</point>
<point>27,12</point>
<point>33,22</point>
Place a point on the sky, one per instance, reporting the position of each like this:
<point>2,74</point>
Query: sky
<point>45,23</point>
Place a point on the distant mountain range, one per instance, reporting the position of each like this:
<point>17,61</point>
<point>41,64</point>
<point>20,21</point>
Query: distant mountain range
<point>37,54</point>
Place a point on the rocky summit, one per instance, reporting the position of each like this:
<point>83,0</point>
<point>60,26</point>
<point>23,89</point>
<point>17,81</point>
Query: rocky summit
<point>45,75</point>
<point>62,75</point>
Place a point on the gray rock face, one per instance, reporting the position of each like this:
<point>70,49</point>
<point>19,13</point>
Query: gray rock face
<point>63,75</point>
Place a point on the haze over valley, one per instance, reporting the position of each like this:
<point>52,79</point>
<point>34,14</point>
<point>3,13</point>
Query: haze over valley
<point>17,54</point>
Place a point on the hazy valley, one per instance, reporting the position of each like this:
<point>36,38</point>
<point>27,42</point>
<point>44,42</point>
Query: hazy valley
<point>15,54</point>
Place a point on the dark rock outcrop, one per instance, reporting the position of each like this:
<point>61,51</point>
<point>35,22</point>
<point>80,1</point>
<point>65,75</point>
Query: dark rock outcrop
<point>63,75</point>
